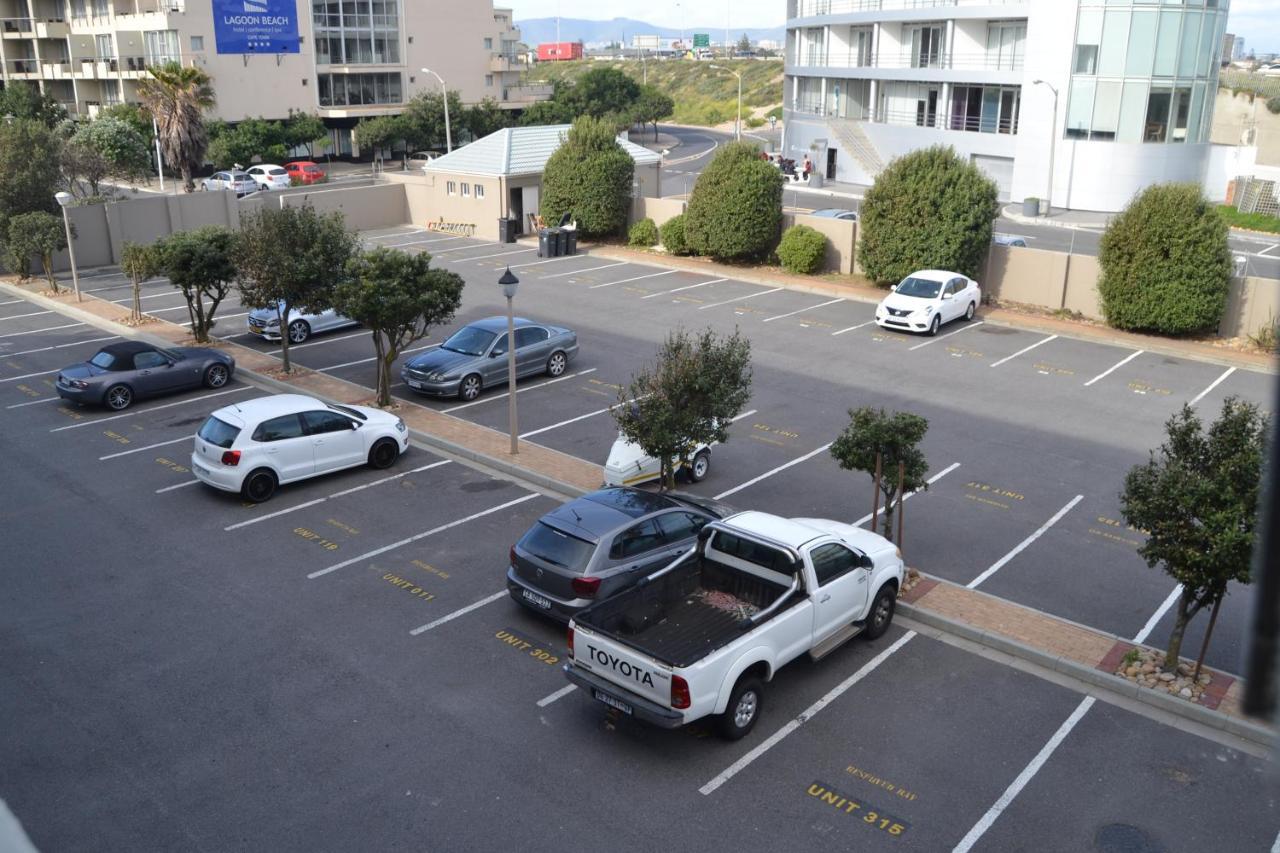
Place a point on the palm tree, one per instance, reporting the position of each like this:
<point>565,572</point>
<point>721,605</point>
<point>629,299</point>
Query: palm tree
<point>178,96</point>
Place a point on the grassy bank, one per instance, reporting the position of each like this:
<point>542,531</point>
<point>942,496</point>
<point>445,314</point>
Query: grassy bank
<point>1252,221</point>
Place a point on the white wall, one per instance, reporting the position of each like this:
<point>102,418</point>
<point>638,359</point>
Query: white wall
<point>1050,44</point>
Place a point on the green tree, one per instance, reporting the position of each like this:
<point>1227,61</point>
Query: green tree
<point>38,233</point>
<point>744,44</point>
<point>699,384</point>
<point>651,106</point>
<point>83,164</point>
<point>29,169</point>
<point>139,263</point>
<point>178,96</point>
<point>896,437</point>
<point>1197,499</point>
<point>105,148</point>
<point>802,249</point>
<point>423,119</point>
<point>547,112</point>
<point>589,176</point>
<point>929,209</point>
<point>398,297</point>
<point>673,235</point>
<point>23,100</point>
<point>242,143</point>
<point>275,274</point>
<point>1166,265</point>
<point>378,132</point>
<point>135,115</point>
<point>485,118</point>
<point>304,129</point>
<point>601,91</point>
<point>735,211</point>
<point>200,263</point>
<point>643,234</point>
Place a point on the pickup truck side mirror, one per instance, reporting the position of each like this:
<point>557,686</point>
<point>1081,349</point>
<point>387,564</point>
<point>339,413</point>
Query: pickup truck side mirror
<point>865,562</point>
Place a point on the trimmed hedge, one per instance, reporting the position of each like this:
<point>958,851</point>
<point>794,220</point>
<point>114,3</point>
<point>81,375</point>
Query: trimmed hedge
<point>589,177</point>
<point>1166,265</point>
<point>735,210</point>
<point>802,249</point>
<point>673,236</point>
<point>644,233</point>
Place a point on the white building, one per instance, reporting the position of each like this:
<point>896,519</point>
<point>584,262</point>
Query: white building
<point>647,42</point>
<point>1111,95</point>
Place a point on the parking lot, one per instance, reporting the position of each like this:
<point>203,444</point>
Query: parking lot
<point>340,667</point>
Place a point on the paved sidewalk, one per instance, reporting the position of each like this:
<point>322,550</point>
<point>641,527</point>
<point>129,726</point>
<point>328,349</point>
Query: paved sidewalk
<point>1059,218</point>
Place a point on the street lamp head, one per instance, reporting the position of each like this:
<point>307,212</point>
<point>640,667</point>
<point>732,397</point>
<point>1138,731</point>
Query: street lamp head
<point>509,284</point>
<point>63,198</point>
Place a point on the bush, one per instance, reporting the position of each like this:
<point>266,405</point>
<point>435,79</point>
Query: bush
<point>802,249</point>
<point>673,236</point>
<point>644,233</point>
<point>1165,263</point>
<point>735,210</point>
<point>754,121</point>
<point>1273,104</point>
<point>589,177</point>
<point>929,209</point>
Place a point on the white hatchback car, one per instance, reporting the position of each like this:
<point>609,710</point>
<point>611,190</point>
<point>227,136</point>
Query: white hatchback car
<point>269,176</point>
<point>924,300</point>
<point>254,446</point>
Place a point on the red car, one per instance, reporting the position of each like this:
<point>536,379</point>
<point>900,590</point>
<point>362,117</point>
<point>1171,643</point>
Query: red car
<point>304,171</point>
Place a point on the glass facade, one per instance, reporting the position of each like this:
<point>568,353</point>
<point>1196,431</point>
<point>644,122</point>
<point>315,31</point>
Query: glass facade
<point>341,90</point>
<point>1145,71</point>
<point>356,32</point>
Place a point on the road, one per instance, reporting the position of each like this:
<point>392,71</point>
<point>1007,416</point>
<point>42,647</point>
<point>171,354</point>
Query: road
<point>340,668</point>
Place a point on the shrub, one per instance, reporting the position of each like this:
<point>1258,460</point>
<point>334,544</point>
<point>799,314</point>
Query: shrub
<point>754,122</point>
<point>929,209</point>
<point>673,236</point>
<point>644,233</point>
<point>589,176</point>
<point>1273,104</point>
<point>802,249</point>
<point>1165,263</point>
<point>735,210</point>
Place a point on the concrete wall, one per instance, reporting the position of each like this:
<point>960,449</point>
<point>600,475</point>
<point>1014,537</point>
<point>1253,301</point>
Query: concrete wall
<point>657,209</point>
<point>841,234</point>
<point>426,198</point>
<point>1251,304</point>
<point>1081,291</point>
<point>378,206</point>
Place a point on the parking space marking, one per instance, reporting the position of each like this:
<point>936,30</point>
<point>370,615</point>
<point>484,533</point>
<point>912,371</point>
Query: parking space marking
<point>767,474</point>
<point>740,298</point>
<point>584,272</point>
<point>400,544</point>
<point>1197,398</point>
<point>802,310</point>
<point>223,317</point>
<point>532,433</point>
<point>422,629</point>
<point>547,261</point>
<point>1024,350</point>
<point>38,331</point>
<point>805,715</point>
<point>1142,635</point>
<point>293,347</point>
<point>935,478</point>
<point>34,403</point>
<point>153,408</point>
<point>20,316</point>
<point>367,360</point>
<point>1025,543</point>
<point>519,390</point>
<point>140,449</point>
<point>637,278</point>
<point>497,255</point>
<point>1119,364</point>
<point>179,486</point>
<point>686,287</point>
<point>559,694</point>
<point>28,375</point>
<point>464,248</point>
<point>851,328</point>
<point>948,335</point>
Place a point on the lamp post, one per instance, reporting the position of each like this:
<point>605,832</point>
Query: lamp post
<point>448,135</point>
<point>509,286</point>
<point>737,127</point>
<point>1053,138</point>
<point>64,201</point>
<point>662,156</point>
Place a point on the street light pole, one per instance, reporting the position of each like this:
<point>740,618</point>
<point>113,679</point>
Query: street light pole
<point>1053,139</point>
<point>448,135</point>
<point>64,201</point>
<point>737,128</point>
<point>509,285</point>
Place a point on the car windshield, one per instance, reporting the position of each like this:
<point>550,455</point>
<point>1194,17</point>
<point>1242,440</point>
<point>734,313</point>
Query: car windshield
<point>352,413</point>
<point>105,360</point>
<point>218,433</point>
<point>922,288</point>
<point>557,547</point>
<point>469,340</point>
<point>276,171</point>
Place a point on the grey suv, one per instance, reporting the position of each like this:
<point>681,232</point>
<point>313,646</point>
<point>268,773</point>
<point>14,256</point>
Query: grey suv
<point>601,543</point>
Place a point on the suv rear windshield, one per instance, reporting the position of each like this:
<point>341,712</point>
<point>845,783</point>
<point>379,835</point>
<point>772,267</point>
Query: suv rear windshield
<point>218,433</point>
<point>557,547</point>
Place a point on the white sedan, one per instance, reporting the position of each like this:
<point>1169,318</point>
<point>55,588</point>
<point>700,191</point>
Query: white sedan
<point>924,300</point>
<point>255,446</point>
<point>269,176</point>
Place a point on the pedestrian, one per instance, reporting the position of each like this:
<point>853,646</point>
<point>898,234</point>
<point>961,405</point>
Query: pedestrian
<point>807,167</point>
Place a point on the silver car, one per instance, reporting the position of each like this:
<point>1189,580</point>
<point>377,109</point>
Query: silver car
<point>241,183</point>
<point>474,357</point>
<point>265,322</point>
<point>120,373</point>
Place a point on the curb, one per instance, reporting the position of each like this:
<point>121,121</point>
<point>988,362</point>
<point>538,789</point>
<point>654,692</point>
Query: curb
<point>1008,212</point>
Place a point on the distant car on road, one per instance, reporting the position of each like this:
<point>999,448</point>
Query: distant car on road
<point>924,300</point>
<point>269,176</point>
<point>241,183</point>
<point>474,357</point>
<point>254,446</point>
<point>419,159</point>
<point>120,373</point>
<point>265,322</point>
<point>1009,240</point>
<point>835,213</point>
<point>304,171</point>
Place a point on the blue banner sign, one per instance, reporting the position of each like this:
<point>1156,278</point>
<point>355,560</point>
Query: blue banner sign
<point>256,26</point>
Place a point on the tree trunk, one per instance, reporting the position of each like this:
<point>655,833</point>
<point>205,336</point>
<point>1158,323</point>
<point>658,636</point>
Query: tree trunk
<point>200,329</point>
<point>385,358</point>
<point>47,262</point>
<point>137,300</point>
<point>283,314</point>
<point>888,513</point>
<point>188,183</point>
<point>1179,628</point>
<point>1208,634</point>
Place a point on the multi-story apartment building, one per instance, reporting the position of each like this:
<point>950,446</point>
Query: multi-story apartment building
<point>1108,95</point>
<point>350,58</point>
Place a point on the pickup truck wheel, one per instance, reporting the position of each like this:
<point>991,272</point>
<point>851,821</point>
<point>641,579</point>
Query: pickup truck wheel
<point>740,715</point>
<point>699,467</point>
<point>882,611</point>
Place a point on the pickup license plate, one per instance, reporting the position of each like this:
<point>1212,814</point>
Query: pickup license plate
<point>536,600</point>
<point>413,384</point>
<point>611,702</point>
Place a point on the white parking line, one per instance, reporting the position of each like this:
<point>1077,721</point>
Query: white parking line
<point>422,629</point>
<point>767,474</point>
<point>385,548</point>
<point>38,331</point>
<point>179,486</point>
<point>802,310</point>
<point>740,298</point>
<point>584,272</point>
<point>367,360</point>
<point>935,478</point>
<point>636,278</point>
<point>176,293</point>
<point>1197,398</point>
<point>547,261</point>
<point>20,316</point>
<point>805,715</point>
<point>421,242</point>
<point>534,432</point>
<point>465,248</point>
<point>1121,363</point>
<point>1142,635</point>
<point>33,403</point>
<point>1024,544</point>
<point>222,317</point>
<point>519,390</point>
<point>1266,253</point>
<point>328,340</point>
<point>58,346</point>
<point>686,287</point>
<point>559,694</point>
<point>851,328</point>
<point>948,335</point>
<point>28,375</point>
<point>1024,350</point>
<point>497,255</point>
<point>152,409</point>
<point>142,449</point>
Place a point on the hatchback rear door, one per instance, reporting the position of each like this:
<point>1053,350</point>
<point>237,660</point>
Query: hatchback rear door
<point>549,559</point>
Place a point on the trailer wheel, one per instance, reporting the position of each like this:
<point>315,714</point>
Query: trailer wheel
<point>740,715</point>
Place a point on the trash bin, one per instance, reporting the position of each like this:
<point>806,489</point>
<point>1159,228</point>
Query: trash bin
<point>507,229</point>
<point>562,242</point>
<point>571,241</point>
<point>547,243</point>
<point>1031,206</point>
<point>815,178</point>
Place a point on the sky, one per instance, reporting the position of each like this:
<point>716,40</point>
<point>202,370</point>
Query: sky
<point>1255,20</point>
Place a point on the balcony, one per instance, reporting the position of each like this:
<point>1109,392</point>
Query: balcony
<point>814,8</point>
<point>25,69</point>
<point>52,29</point>
<point>523,96</point>
<point>968,61</point>
<point>500,62</point>
<point>17,27</point>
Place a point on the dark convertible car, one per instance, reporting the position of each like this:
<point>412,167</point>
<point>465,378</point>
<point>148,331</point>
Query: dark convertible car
<point>120,373</point>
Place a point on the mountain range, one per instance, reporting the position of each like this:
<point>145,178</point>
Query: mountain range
<point>538,30</point>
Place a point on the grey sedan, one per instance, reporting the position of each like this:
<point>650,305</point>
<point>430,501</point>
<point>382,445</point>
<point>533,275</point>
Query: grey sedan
<point>242,183</point>
<point>120,373</point>
<point>474,357</point>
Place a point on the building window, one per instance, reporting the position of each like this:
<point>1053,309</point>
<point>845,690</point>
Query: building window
<point>197,44</point>
<point>926,46</point>
<point>985,109</point>
<point>451,188</point>
<point>479,191</point>
<point>161,46</point>
<point>356,32</point>
<point>104,46</point>
<point>1006,42</point>
<point>488,44</point>
<point>340,90</point>
<point>466,190</point>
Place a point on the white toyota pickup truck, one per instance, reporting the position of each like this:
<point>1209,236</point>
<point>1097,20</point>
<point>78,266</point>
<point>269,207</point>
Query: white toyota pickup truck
<point>703,635</point>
